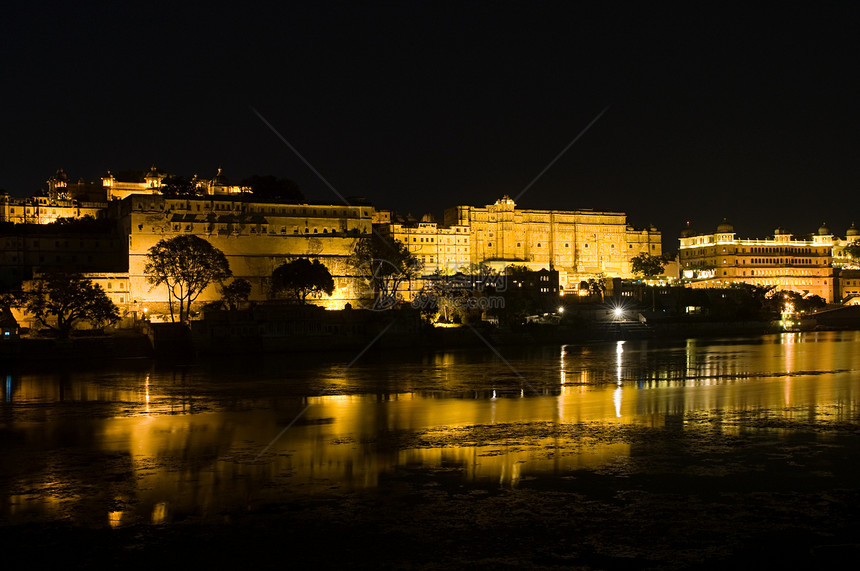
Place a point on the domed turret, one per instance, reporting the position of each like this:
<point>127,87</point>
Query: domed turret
<point>220,179</point>
<point>724,227</point>
<point>58,185</point>
<point>852,232</point>
<point>687,231</point>
<point>823,230</point>
<point>153,178</point>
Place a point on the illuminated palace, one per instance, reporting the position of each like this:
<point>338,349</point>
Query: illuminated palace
<point>579,244</point>
<point>256,237</point>
<point>438,248</point>
<point>720,259</point>
<point>65,199</point>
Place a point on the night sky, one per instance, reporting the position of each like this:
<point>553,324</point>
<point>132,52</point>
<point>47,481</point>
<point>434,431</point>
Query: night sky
<point>714,111</point>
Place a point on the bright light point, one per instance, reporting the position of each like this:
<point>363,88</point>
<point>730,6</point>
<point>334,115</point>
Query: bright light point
<point>618,312</point>
<point>560,309</point>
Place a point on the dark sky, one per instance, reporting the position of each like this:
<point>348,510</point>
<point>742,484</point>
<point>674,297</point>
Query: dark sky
<point>714,110</point>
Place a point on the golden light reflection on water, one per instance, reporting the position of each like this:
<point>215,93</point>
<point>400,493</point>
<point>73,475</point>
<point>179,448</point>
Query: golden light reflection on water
<point>160,460</point>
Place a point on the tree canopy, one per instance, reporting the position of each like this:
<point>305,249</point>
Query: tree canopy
<point>235,293</point>
<point>272,188</point>
<point>853,250</point>
<point>383,263</point>
<point>69,298</point>
<point>176,185</point>
<point>800,302</point>
<point>646,265</point>
<point>301,278</point>
<point>186,265</point>
<point>519,301</point>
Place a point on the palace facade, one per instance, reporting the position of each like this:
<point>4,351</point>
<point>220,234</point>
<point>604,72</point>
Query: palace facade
<point>442,249</point>
<point>256,237</point>
<point>579,244</point>
<point>65,199</point>
<point>720,259</point>
<point>45,210</point>
<point>151,183</point>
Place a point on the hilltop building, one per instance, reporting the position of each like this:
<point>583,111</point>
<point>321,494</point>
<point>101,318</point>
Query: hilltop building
<point>152,182</point>
<point>719,259</point>
<point>65,199</point>
<point>44,210</point>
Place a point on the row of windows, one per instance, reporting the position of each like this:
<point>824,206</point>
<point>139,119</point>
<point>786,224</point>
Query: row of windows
<point>223,228</point>
<point>807,261</point>
<point>779,250</point>
<point>58,259</point>
<point>775,273</point>
<point>230,207</point>
<point>60,244</point>
<point>72,211</point>
<point>399,228</point>
<point>520,245</point>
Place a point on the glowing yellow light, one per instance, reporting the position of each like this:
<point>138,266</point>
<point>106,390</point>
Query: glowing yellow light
<point>159,513</point>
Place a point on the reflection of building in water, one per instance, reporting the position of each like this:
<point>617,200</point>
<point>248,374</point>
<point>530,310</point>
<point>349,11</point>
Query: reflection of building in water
<point>157,459</point>
<point>799,264</point>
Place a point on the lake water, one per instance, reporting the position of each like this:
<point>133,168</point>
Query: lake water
<point>145,443</point>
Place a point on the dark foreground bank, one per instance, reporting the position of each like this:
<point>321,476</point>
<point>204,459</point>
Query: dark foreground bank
<point>176,341</point>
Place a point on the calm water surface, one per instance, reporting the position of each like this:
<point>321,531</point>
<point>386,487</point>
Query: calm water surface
<point>142,442</point>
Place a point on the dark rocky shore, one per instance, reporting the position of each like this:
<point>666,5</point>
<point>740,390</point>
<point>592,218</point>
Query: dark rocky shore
<point>174,341</point>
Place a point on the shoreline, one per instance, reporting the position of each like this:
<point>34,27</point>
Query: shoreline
<point>179,345</point>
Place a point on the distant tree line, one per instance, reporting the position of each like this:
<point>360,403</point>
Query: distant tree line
<point>263,187</point>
